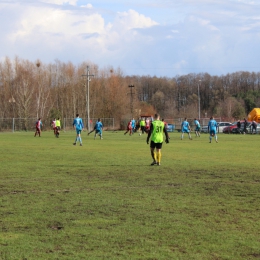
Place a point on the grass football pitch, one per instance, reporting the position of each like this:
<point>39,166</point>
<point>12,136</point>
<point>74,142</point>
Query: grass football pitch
<point>104,201</point>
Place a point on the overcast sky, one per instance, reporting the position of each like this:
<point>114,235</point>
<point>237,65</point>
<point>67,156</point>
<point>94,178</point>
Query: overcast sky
<point>142,37</point>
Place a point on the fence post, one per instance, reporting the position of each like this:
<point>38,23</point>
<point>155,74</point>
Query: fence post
<point>13,125</point>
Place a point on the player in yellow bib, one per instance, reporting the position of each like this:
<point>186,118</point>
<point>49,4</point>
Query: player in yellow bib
<point>142,126</point>
<point>57,127</point>
<point>156,132</point>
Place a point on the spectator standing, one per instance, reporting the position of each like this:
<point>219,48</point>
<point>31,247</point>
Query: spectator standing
<point>239,126</point>
<point>245,125</point>
<point>253,127</point>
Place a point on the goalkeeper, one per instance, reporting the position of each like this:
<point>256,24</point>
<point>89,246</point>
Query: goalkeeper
<point>156,132</point>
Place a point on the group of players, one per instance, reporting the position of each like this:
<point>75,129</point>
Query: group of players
<point>154,127</point>
<point>56,127</point>
<point>143,124</point>
<point>212,129</point>
<point>79,126</point>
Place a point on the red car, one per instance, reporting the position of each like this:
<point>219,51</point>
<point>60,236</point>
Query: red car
<point>233,129</point>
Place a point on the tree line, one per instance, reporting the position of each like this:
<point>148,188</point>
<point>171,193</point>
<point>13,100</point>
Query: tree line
<point>34,89</point>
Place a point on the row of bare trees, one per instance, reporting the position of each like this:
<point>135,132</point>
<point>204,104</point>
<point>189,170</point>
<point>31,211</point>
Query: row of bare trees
<point>33,89</point>
<point>230,96</point>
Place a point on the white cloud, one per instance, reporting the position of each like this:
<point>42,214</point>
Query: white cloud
<point>247,1</point>
<point>87,6</point>
<point>60,2</point>
<point>64,33</point>
<point>192,38</point>
<point>36,22</point>
<point>133,19</point>
<point>204,23</point>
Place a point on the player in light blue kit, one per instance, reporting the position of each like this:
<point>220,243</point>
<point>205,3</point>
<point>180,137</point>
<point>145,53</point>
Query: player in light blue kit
<point>185,128</point>
<point>78,125</point>
<point>212,128</point>
<point>197,127</point>
<point>98,129</point>
<point>133,126</point>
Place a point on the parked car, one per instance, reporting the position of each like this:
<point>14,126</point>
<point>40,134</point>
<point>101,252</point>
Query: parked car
<point>170,127</point>
<point>257,129</point>
<point>221,126</point>
<point>249,128</point>
<point>204,129</point>
<point>233,129</point>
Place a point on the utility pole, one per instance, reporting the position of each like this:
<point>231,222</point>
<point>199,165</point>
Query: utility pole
<point>199,97</point>
<point>87,95</point>
<point>131,98</point>
<point>178,94</point>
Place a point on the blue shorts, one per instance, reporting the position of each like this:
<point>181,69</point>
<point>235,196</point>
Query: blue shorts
<point>197,128</point>
<point>78,131</point>
<point>185,130</point>
<point>99,131</point>
<point>212,132</point>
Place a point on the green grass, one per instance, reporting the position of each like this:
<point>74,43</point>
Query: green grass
<point>104,201</point>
